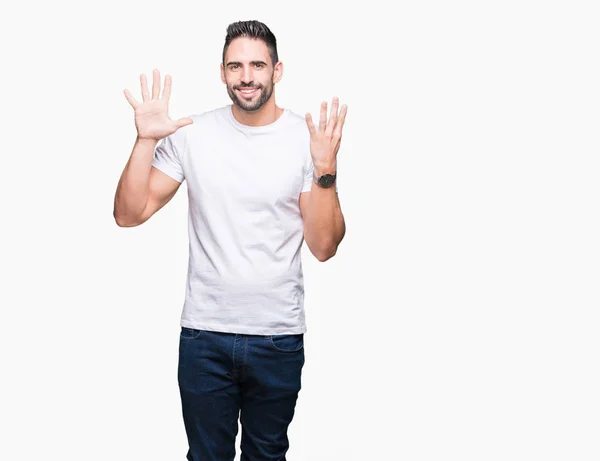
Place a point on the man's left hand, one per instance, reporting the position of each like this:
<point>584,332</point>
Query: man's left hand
<point>325,140</point>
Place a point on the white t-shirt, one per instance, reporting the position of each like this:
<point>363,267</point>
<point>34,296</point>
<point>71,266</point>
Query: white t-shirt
<point>244,224</point>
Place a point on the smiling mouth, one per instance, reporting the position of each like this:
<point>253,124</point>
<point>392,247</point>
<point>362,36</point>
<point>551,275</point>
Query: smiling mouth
<point>247,91</point>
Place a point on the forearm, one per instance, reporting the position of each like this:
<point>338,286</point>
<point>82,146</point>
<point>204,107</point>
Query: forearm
<point>132,191</point>
<point>324,225</point>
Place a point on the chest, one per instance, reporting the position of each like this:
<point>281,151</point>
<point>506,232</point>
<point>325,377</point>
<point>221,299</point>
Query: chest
<point>257,172</point>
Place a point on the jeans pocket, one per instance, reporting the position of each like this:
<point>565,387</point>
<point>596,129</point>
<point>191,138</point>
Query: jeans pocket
<point>286,343</point>
<point>189,333</point>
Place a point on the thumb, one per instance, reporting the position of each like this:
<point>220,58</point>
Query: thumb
<point>183,122</point>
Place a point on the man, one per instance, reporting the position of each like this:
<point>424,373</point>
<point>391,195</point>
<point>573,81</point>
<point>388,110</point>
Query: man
<point>261,180</point>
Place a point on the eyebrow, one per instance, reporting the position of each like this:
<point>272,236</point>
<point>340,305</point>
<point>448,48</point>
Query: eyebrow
<point>251,62</point>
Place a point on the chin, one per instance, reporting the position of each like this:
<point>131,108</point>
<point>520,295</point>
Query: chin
<point>248,107</point>
<point>253,108</point>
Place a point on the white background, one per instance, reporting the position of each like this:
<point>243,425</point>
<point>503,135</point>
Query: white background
<point>459,319</point>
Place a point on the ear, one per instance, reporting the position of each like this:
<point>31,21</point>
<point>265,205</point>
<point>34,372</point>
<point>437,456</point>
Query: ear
<point>278,72</point>
<point>223,74</point>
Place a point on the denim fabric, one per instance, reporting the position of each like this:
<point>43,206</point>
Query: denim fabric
<point>226,376</point>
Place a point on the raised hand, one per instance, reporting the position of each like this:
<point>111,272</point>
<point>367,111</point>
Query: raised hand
<point>152,115</point>
<point>325,140</point>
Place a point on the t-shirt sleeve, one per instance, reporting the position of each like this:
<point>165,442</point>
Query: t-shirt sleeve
<point>308,176</point>
<point>168,155</point>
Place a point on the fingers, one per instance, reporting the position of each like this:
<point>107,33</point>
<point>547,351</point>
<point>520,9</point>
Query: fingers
<point>155,84</point>
<point>131,99</point>
<point>144,85</point>
<point>323,119</point>
<point>309,122</point>
<point>333,115</point>
<point>155,89</point>
<point>340,121</point>
<point>334,125</point>
<point>184,121</point>
<point>167,89</point>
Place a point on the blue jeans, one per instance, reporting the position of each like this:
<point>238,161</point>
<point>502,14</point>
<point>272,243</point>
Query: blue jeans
<point>223,376</point>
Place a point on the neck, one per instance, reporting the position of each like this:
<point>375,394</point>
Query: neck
<point>266,115</point>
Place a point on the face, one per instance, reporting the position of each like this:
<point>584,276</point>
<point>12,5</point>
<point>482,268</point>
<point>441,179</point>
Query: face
<point>249,73</point>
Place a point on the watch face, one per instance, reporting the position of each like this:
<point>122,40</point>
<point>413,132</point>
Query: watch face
<point>326,180</point>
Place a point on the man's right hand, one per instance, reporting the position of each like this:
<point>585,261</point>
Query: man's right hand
<point>152,115</point>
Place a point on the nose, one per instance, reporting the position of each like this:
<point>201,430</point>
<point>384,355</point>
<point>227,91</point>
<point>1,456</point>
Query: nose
<point>247,76</point>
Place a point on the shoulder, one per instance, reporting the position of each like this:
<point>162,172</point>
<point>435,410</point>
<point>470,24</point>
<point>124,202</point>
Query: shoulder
<point>295,118</point>
<point>299,136</point>
<point>208,117</point>
<point>297,124</point>
<point>203,122</point>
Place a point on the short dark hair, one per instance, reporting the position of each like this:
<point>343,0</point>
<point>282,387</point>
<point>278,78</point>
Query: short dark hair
<point>252,29</point>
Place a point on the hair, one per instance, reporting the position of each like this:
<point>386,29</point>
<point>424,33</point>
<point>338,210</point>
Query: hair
<point>255,30</point>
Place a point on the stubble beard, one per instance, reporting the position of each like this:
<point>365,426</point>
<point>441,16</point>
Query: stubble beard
<point>250,106</point>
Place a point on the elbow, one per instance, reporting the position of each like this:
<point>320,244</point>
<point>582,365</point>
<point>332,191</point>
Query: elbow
<point>325,253</point>
<point>324,249</point>
<point>322,257</point>
<point>124,222</point>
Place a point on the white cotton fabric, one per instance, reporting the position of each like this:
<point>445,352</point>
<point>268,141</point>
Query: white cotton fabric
<point>244,223</point>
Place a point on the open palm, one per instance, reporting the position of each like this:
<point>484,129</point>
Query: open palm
<point>325,140</point>
<point>152,119</point>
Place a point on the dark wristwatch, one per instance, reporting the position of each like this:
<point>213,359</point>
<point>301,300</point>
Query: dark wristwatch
<point>325,180</point>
